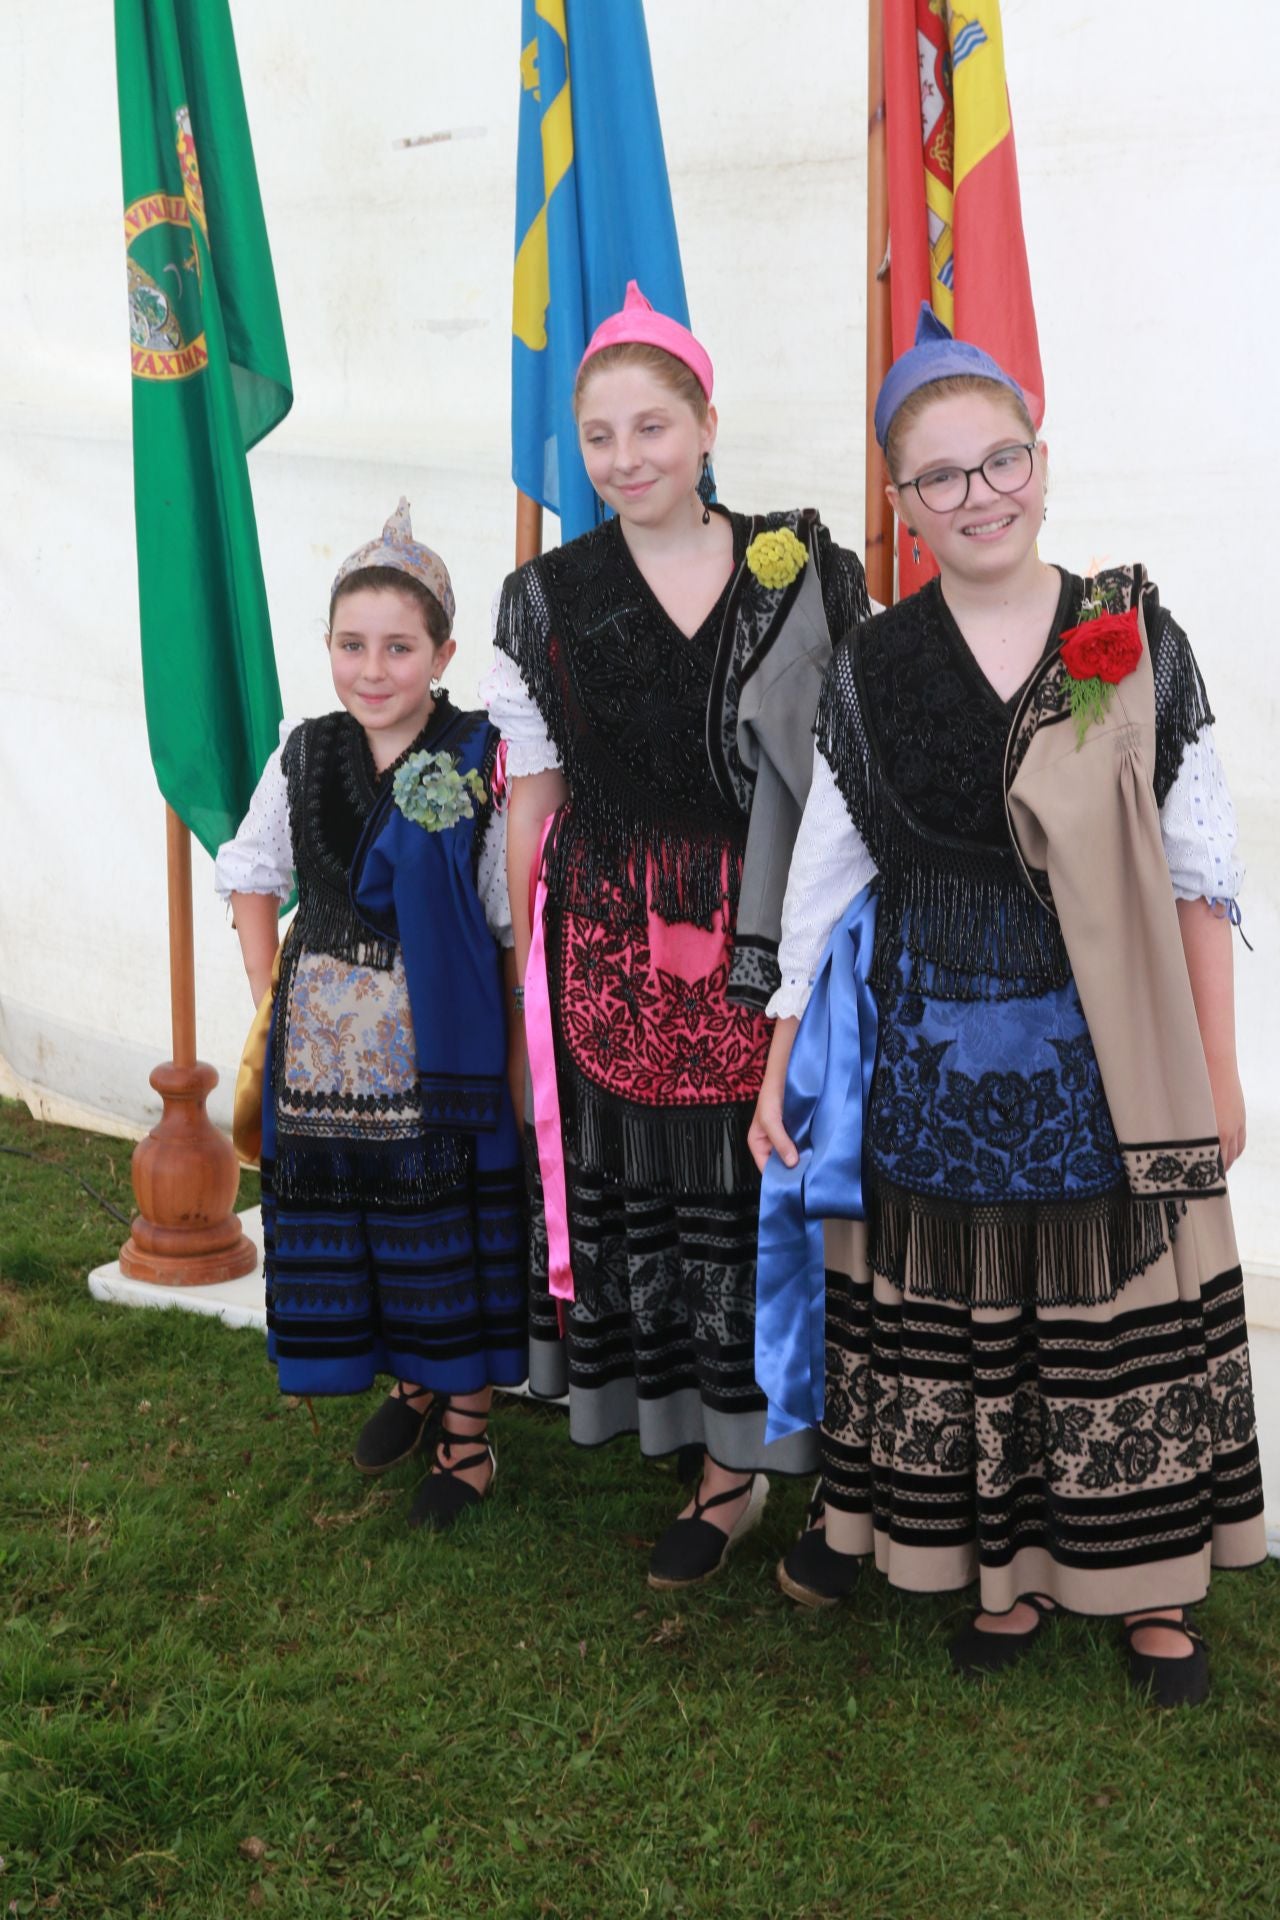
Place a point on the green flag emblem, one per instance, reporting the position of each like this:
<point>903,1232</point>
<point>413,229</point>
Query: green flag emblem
<point>211,377</point>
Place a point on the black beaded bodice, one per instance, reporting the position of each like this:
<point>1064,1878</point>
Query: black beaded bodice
<point>915,736</point>
<point>332,784</point>
<point>643,718</point>
<point>623,693</point>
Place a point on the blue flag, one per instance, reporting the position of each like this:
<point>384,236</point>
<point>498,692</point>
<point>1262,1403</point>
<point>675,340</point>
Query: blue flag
<point>593,210</point>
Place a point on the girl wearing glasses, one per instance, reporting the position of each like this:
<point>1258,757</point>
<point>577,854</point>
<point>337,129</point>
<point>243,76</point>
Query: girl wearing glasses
<point>1037,1374</point>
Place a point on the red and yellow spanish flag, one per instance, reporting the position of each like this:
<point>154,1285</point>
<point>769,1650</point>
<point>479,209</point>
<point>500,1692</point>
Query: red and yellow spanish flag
<point>955,214</point>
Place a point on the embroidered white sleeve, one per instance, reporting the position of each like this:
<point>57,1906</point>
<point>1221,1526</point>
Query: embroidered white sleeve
<point>491,880</point>
<point>260,858</point>
<point>1198,827</point>
<point>829,866</point>
<point>514,712</point>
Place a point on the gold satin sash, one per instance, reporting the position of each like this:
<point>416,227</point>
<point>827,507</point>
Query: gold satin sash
<point>246,1105</point>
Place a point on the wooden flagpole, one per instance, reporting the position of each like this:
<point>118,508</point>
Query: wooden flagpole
<point>878,552</point>
<point>528,528</point>
<point>185,1173</point>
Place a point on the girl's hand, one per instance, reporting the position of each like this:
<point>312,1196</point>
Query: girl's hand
<point>256,917</point>
<point>1228,1107</point>
<point>767,1134</point>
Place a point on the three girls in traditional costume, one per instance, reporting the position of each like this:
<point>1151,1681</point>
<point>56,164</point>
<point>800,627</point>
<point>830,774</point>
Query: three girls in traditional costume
<point>392,1187</point>
<point>1011,898</point>
<point>996,1255</point>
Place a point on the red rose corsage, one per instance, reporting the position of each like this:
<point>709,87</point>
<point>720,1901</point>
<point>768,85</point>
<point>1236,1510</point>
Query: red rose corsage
<point>1098,654</point>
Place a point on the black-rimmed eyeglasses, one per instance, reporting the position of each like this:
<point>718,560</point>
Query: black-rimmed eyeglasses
<point>943,489</point>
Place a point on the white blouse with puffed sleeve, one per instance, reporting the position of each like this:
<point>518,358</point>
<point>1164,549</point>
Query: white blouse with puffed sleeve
<point>831,863</point>
<point>260,857</point>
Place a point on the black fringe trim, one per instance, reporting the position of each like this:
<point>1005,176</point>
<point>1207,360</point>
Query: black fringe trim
<point>600,850</point>
<point>665,1149</point>
<point>368,1173</point>
<point>614,832</point>
<point>963,908</point>
<point>327,923</point>
<point>1182,703</point>
<point>1059,1254</point>
<point>484,811</point>
<point>846,602</point>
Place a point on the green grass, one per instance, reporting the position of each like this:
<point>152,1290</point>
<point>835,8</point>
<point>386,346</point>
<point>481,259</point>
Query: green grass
<point>230,1680</point>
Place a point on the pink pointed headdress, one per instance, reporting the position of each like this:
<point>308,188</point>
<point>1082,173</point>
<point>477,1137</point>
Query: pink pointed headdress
<point>639,321</point>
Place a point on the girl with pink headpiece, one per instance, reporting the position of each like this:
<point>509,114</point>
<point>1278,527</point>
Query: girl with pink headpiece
<point>656,681</point>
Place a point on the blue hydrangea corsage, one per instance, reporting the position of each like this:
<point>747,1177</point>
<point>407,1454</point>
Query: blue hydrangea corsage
<point>429,790</point>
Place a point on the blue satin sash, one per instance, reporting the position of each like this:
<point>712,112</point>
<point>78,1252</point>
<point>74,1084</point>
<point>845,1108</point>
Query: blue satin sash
<point>827,1090</point>
<point>416,887</point>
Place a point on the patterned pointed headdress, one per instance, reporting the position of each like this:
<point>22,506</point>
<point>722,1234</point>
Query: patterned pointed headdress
<point>396,547</point>
<point>638,321</point>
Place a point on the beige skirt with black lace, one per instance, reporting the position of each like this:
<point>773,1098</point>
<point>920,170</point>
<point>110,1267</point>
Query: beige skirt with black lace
<point>1105,1455</point>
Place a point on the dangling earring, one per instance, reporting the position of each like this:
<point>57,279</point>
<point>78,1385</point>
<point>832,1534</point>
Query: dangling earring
<point>915,547</point>
<point>706,489</point>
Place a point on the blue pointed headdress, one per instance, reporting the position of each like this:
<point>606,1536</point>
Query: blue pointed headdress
<point>936,355</point>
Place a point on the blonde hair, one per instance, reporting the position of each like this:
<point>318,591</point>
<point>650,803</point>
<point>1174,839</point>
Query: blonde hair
<point>922,399</point>
<point>664,366</point>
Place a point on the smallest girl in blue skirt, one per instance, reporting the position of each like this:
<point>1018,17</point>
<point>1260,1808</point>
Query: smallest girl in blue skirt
<point>391,1180</point>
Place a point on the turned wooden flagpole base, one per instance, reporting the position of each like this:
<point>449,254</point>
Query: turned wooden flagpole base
<point>185,1173</point>
<point>185,1179</point>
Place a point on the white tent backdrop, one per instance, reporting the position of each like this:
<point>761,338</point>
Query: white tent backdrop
<point>1149,179</point>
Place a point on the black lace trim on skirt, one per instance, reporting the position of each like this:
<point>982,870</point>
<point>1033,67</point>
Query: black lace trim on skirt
<point>374,1173</point>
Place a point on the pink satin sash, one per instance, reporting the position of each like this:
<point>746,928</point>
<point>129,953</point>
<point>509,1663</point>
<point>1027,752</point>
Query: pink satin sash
<point>546,1092</point>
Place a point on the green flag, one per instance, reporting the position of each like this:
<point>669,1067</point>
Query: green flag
<point>210,378</point>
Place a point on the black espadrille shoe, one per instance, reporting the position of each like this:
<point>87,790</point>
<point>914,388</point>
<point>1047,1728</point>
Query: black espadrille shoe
<point>1169,1679</point>
<point>693,1549</point>
<point>976,1652</point>
<point>444,1495</point>
<point>814,1574</point>
<point>394,1432</point>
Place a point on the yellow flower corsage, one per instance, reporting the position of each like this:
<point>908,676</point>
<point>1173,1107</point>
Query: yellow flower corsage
<point>776,558</point>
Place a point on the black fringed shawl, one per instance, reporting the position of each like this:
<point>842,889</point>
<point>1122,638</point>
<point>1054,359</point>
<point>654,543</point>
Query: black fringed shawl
<point>332,784</point>
<point>623,695</point>
<point>915,736</point>
<point>629,702</point>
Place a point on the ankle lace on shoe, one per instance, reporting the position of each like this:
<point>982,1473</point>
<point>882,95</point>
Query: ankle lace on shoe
<point>444,1495</point>
<point>693,1549</point>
